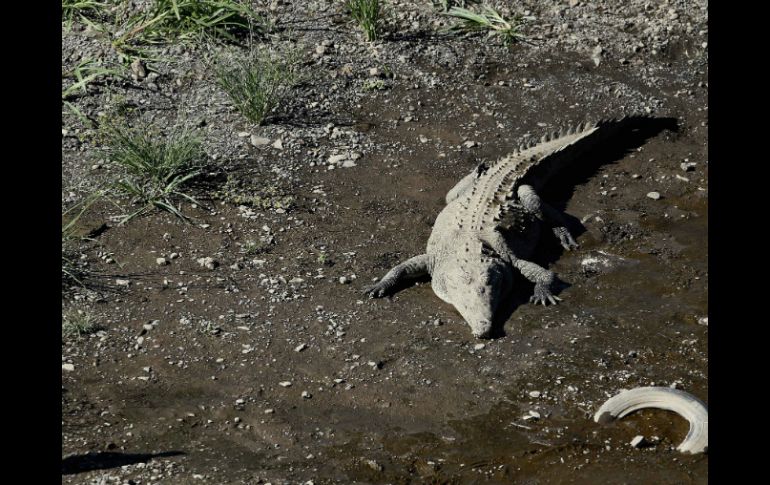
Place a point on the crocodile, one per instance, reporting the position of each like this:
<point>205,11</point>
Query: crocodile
<point>491,225</point>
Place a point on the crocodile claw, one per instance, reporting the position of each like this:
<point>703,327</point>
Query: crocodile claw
<point>543,295</point>
<point>565,238</point>
<point>375,291</point>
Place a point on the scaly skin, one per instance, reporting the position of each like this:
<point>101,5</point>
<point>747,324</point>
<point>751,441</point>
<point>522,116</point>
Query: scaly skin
<point>491,226</point>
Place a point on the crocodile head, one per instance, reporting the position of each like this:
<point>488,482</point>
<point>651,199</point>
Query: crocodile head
<point>476,291</point>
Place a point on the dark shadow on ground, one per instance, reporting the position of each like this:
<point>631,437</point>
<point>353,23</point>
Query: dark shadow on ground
<point>107,459</point>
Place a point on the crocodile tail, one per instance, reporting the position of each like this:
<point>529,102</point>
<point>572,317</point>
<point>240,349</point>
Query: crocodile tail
<point>588,136</point>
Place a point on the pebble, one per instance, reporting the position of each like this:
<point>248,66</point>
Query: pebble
<point>300,347</point>
<point>306,395</point>
<point>259,140</point>
<point>285,383</point>
<point>269,411</point>
<point>278,144</point>
<point>469,144</point>
<point>703,321</point>
<point>688,166</point>
<point>173,255</point>
<point>344,280</point>
<point>374,72</point>
<point>534,393</point>
<point>208,262</point>
<point>348,164</point>
<point>161,261</point>
<point>123,282</point>
<point>596,55</point>
<point>335,159</point>
<point>68,367</point>
<point>479,346</point>
<point>638,441</point>
<point>239,401</point>
<point>531,415</point>
<point>654,195</point>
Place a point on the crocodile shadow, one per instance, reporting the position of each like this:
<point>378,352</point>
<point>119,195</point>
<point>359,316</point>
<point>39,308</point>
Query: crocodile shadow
<point>560,189</point>
<point>107,459</point>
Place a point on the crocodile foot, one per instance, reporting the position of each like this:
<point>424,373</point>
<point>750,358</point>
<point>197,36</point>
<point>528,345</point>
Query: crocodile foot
<point>565,238</point>
<point>377,291</point>
<point>543,295</point>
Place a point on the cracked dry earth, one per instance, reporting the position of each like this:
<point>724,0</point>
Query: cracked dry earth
<point>271,366</point>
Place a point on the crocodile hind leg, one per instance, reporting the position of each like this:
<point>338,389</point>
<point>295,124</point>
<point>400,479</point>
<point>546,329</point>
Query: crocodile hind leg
<point>409,269</point>
<point>532,202</point>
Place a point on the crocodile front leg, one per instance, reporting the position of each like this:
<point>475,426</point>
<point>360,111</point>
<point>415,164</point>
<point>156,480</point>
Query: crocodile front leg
<point>541,277</point>
<point>532,202</point>
<point>409,269</point>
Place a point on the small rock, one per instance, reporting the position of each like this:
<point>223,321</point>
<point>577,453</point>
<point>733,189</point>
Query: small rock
<point>437,322</point>
<point>300,347</point>
<point>120,282</point>
<point>638,441</point>
<point>306,395</point>
<point>161,261</point>
<point>531,415</point>
<point>173,255</point>
<point>574,3</point>
<point>469,144</point>
<point>259,141</point>
<point>285,383</point>
<point>269,411</point>
<point>479,346</point>
<point>423,139</point>
<point>344,280</point>
<point>236,266</point>
<point>335,159</point>
<point>320,50</point>
<point>374,72</point>
<point>688,166</point>
<point>68,367</point>
<point>534,394</point>
<point>278,144</point>
<point>137,70</point>
<point>239,401</point>
<point>654,195</point>
<point>374,465</point>
<point>348,164</point>
<point>596,55</point>
<point>208,262</point>
<point>703,321</point>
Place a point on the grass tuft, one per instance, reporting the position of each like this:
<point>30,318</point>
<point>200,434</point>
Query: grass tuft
<point>76,323</point>
<point>191,20</point>
<point>258,83</point>
<point>155,168</point>
<point>367,14</point>
<point>488,19</point>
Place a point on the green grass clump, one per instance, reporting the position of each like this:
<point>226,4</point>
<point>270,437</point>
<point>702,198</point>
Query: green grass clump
<point>76,323</point>
<point>186,20</point>
<point>257,84</point>
<point>156,168</point>
<point>488,19</point>
<point>367,14</point>
<point>86,72</point>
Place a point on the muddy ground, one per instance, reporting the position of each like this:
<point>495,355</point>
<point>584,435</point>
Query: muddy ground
<point>183,381</point>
